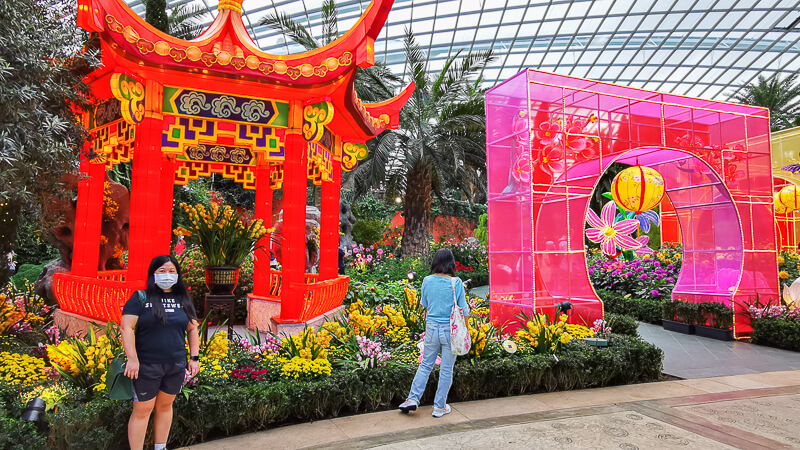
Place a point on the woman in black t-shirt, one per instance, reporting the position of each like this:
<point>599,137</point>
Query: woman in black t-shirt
<point>154,327</point>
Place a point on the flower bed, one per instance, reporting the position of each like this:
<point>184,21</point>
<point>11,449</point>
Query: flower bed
<point>363,361</point>
<point>381,264</point>
<point>644,309</point>
<point>651,277</point>
<point>775,325</point>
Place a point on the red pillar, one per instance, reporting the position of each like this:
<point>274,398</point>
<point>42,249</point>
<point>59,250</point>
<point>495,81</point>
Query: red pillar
<point>165,199</point>
<point>88,219</point>
<point>263,211</point>
<point>329,233</point>
<point>146,218</point>
<point>294,227</point>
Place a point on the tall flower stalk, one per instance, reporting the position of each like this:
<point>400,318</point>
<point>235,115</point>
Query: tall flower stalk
<point>224,237</point>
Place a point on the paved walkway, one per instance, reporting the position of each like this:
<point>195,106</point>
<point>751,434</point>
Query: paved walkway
<point>690,356</point>
<point>754,411</point>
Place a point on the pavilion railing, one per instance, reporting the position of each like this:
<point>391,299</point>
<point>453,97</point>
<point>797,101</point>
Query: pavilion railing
<point>323,297</point>
<point>103,297</point>
<point>100,298</point>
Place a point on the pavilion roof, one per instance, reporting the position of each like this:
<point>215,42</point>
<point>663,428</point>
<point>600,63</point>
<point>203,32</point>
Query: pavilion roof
<point>226,51</point>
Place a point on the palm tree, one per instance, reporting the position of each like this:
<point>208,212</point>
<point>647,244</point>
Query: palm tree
<point>782,97</point>
<point>374,84</point>
<point>441,143</point>
<point>181,22</point>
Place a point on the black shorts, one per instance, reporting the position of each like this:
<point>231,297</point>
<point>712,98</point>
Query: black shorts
<point>153,377</point>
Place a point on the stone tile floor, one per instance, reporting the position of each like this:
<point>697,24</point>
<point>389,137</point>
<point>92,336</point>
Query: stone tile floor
<point>690,356</point>
<point>752,411</point>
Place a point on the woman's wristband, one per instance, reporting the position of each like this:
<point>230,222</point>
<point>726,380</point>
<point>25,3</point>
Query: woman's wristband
<point>194,358</point>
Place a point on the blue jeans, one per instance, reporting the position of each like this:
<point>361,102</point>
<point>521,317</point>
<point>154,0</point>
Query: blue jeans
<point>437,336</point>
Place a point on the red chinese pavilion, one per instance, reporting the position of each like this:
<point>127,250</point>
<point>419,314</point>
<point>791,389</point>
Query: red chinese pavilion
<point>179,110</point>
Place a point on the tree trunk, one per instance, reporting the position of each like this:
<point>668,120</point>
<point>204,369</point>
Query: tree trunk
<point>417,211</point>
<point>9,223</point>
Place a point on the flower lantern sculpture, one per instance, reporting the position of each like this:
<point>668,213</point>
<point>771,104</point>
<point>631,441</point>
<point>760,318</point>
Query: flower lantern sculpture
<point>787,199</point>
<point>638,190</point>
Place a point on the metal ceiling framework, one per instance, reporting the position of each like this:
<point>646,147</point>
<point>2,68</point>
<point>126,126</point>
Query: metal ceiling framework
<point>700,48</point>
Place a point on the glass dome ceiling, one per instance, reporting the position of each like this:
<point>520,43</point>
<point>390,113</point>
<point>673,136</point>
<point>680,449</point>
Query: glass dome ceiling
<point>687,47</point>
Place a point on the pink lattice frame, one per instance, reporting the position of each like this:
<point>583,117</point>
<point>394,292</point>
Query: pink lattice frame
<point>551,137</point>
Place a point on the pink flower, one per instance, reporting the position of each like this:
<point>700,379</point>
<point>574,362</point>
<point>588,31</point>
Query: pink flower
<point>551,160</point>
<point>522,168</point>
<point>380,251</point>
<point>548,132</point>
<point>611,235</point>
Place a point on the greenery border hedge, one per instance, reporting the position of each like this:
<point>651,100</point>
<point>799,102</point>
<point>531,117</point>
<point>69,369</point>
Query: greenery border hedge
<point>237,409</point>
<point>642,309</point>
<point>778,333</point>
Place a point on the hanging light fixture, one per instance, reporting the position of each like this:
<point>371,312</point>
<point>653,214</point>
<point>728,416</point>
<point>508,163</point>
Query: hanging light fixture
<point>638,189</point>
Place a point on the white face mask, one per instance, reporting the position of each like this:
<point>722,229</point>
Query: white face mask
<point>166,280</point>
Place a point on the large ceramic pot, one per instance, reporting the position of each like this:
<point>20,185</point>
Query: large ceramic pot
<point>222,280</point>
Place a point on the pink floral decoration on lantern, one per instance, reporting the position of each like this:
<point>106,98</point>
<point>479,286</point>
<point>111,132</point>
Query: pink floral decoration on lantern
<point>611,235</point>
<point>551,160</point>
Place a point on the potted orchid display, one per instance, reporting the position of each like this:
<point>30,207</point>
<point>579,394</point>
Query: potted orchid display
<point>225,239</point>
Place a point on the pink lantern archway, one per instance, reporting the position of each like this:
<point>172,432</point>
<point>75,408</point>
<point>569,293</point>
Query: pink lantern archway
<point>551,137</point>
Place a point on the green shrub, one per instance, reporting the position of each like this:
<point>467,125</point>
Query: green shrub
<point>18,435</point>
<point>710,314</point>
<point>777,333</point>
<point>642,309</point>
<point>482,232</point>
<point>28,272</point>
<point>716,315</point>
<point>369,232</point>
<point>234,409</point>
<point>622,324</point>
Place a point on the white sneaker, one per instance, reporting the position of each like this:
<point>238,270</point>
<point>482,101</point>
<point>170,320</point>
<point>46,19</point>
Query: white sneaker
<point>408,406</point>
<point>439,412</point>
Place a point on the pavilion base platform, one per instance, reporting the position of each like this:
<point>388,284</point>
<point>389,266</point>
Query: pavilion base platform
<point>76,324</point>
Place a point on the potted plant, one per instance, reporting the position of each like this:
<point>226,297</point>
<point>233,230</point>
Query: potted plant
<point>225,239</point>
<point>680,316</point>
<point>716,321</point>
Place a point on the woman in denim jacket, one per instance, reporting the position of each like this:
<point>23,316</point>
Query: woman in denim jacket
<point>437,298</point>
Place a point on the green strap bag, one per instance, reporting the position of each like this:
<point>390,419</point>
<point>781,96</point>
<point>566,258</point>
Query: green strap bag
<point>119,386</point>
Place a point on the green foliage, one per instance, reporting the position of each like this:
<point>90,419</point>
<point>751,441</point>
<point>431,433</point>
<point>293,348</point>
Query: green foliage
<point>18,435</point>
<point>369,232</point>
<point>482,232</point>
<point>239,408</point>
<point>28,272</point>
<point>374,293</point>
<point>716,315</point>
<point>622,324</point>
<point>781,96</point>
<point>779,333</point>
<point>712,314</point>
<point>370,207</point>
<point>449,207</point>
<point>41,65</point>
<point>646,310</point>
<point>155,13</point>
<point>32,247</point>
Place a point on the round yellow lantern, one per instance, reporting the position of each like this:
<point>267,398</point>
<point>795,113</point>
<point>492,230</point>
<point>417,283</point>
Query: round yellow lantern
<point>789,198</point>
<point>638,189</point>
<point>779,208</point>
